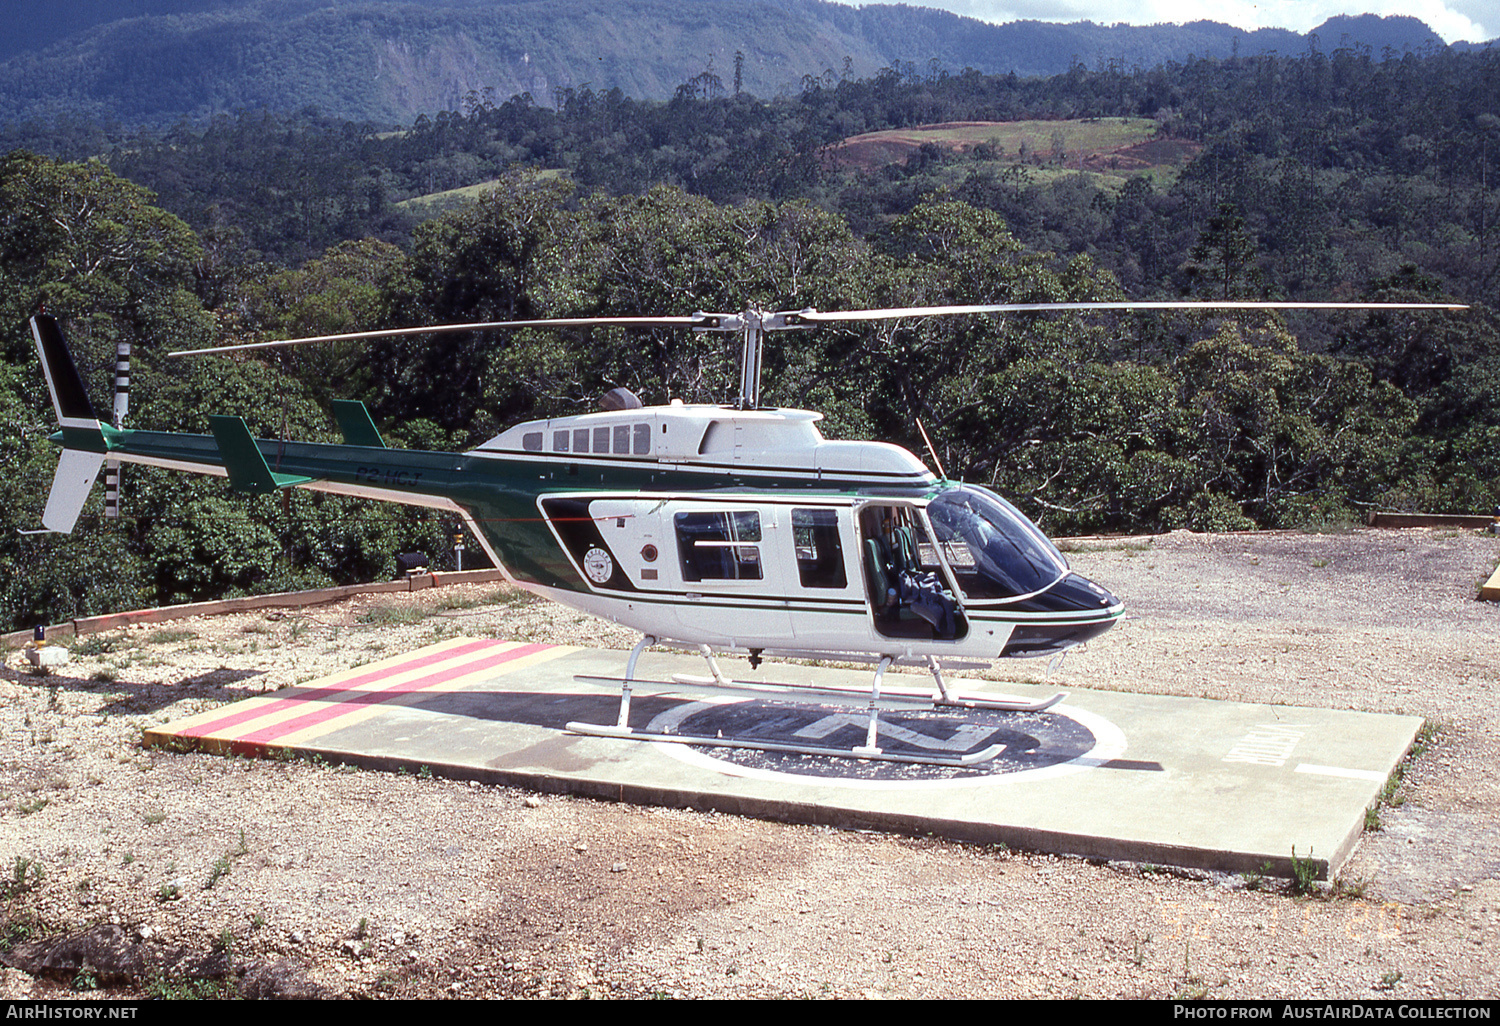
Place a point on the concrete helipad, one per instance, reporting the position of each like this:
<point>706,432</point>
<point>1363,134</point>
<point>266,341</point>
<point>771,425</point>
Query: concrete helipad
<point>1215,785</point>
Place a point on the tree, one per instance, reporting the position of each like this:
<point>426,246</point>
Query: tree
<point>94,249</point>
<point>1289,437</point>
<point>350,288</point>
<point>111,266</point>
<point>492,261</point>
<point>1222,264</point>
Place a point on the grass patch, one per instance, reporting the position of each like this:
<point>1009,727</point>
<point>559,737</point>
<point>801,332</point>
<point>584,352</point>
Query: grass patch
<point>1255,879</point>
<point>168,636</point>
<point>1352,888</point>
<point>97,644</point>
<point>22,928</point>
<point>499,596</point>
<point>434,203</point>
<point>1391,795</point>
<point>162,987</point>
<point>1006,138</point>
<point>1304,874</point>
<point>25,874</point>
<point>392,614</point>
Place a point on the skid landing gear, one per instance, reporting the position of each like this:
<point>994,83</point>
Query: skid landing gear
<point>943,697</point>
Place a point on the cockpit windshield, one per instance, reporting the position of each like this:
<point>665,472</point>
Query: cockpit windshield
<point>994,551</point>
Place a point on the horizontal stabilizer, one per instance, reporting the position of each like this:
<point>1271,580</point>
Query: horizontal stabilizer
<point>355,423</point>
<point>70,489</point>
<point>247,468</point>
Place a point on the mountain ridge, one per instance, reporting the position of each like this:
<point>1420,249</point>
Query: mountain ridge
<point>389,61</point>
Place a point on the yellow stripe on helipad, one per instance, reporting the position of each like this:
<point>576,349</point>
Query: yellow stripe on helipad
<point>296,715</point>
<point>278,705</point>
<point>460,683</point>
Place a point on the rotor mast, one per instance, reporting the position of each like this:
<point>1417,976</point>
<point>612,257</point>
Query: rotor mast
<point>752,324</point>
<point>754,335</point>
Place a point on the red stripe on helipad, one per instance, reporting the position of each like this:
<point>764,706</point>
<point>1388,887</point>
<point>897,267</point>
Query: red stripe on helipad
<point>258,710</point>
<point>352,702</point>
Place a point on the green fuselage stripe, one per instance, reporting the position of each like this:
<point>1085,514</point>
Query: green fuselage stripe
<point>498,492</point>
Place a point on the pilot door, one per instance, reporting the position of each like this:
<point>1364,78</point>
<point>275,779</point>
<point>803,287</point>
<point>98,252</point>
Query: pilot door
<point>909,589</point>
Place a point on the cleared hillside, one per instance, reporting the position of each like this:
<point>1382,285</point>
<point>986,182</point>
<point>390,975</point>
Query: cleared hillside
<point>1111,146</point>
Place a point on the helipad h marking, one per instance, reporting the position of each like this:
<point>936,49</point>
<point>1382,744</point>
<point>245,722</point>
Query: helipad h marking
<point>1107,743</point>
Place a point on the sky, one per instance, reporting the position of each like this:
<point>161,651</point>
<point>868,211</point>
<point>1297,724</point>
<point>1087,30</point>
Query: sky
<point>1473,20</point>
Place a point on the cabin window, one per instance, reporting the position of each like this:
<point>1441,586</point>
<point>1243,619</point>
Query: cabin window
<point>559,441</point>
<point>643,439</point>
<point>713,546</point>
<point>581,440</point>
<point>531,441</point>
<point>601,439</point>
<point>820,556</point>
<point>622,439</point>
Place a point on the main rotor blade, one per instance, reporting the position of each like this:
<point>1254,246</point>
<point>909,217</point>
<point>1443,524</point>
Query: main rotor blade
<point>803,318</point>
<point>441,329</point>
<point>819,317</point>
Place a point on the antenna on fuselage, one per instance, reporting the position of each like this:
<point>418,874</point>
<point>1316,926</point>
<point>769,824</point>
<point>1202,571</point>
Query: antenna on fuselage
<point>932,450</point>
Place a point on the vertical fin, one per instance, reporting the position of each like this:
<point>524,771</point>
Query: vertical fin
<point>83,439</point>
<point>355,423</point>
<point>69,398</point>
<point>247,468</point>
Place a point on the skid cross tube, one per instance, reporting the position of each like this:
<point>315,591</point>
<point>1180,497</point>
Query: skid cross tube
<point>870,750</point>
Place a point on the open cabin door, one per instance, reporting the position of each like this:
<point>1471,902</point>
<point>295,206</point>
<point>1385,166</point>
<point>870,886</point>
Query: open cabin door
<point>909,589</point>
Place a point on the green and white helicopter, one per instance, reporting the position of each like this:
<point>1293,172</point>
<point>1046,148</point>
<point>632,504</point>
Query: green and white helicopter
<point>725,529</point>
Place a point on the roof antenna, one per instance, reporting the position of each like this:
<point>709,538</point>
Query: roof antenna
<point>932,451</point>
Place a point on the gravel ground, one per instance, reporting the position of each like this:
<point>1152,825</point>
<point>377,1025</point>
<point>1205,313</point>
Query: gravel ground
<point>128,872</point>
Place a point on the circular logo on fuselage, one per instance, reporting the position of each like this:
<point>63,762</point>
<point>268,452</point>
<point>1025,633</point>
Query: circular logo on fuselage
<point>598,565</point>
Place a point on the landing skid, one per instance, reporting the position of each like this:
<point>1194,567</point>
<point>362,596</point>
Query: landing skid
<point>943,697</point>
<point>629,734</point>
<point>916,696</point>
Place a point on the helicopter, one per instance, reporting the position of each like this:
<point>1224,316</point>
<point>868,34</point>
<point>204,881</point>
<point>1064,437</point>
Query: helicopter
<point>721,529</point>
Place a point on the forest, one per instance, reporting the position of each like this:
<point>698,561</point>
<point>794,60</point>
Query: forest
<point>1340,176</point>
